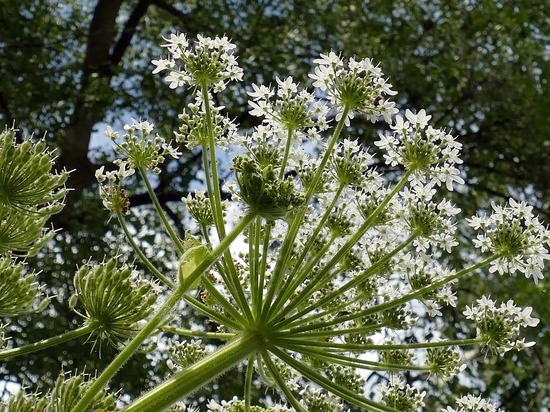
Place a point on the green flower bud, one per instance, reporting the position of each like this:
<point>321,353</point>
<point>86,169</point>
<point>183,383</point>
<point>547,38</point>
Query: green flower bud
<point>18,291</point>
<point>200,209</point>
<point>67,392</point>
<point>403,397</point>
<point>444,361</point>
<point>397,356</point>
<point>26,181</point>
<point>186,353</point>
<point>263,192</point>
<point>23,402</point>
<point>113,301</point>
<point>21,233</point>
<point>189,261</point>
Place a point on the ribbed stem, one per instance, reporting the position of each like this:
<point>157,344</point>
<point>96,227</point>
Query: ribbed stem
<point>199,374</point>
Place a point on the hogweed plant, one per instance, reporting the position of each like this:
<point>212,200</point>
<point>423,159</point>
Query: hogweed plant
<point>317,280</point>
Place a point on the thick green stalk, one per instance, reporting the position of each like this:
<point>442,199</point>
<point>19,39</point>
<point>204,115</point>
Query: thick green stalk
<point>197,375</point>
<point>154,271</point>
<point>46,343</point>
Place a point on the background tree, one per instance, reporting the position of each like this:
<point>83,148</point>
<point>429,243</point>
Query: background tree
<point>479,68</point>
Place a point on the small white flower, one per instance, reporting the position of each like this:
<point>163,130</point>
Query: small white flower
<point>99,175</point>
<point>260,92</point>
<point>162,64</point>
<point>420,119</point>
<point>331,59</point>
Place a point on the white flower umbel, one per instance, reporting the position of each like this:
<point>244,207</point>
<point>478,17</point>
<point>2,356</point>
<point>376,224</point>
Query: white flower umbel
<point>470,403</point>
<point>517,236</point>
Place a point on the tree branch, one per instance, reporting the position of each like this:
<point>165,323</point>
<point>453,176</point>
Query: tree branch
<point>128,32</point>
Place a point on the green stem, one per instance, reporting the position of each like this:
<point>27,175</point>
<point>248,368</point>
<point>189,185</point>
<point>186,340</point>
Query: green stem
<point>315,285</point>
<point>222,300</point>
<point>197,375</point>
<point>141,255</point>
<point>287,291</point>
<point>284,254</point>
<point>352,241</point>
<point>287,152</point>
<point>281,383</point>
<point>324,333</point>
<point>334,309</point>
<point>198,334</point>
<point>175,238</point>
<point>283,297</point>
<point>46,343</point>
<point>254,263</point>
<point>263,266</point>
<point>248,384</point>
<point>356,362</point>
<point>388,305</point>
<point>127,352</point>
<point>159,317</point>
<point>212,313</point>
<point>292,343</point>
<point>211,170</point>
<point>211,167</point>
<point>427,289</point>
<point>329,385</point>
<point>226,277</point>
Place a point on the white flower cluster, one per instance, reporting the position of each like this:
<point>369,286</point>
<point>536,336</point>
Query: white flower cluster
<point>139,150</point>
<point>194,131</point>
<point>208,62</point>
<point>470,403</point>
<point>433,222</point>
<point>431,153</point>
<point>354,86</point>
<point>237,405</point>
<point>514,234</point>
<point>402,397</point>
<point>499,325</point>
<point>289,108</point>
